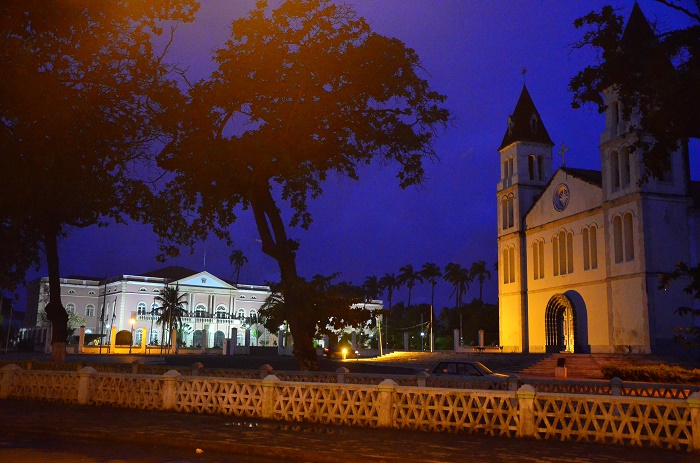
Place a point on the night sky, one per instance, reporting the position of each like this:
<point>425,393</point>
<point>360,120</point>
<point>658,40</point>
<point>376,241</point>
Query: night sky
<point>474,52</point>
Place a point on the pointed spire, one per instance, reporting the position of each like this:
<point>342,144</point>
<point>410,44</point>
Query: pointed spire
<point>637,31</point>
<point>525,123</point>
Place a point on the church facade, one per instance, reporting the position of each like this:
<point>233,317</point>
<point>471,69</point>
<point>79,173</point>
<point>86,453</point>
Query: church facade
<point>581,251</point>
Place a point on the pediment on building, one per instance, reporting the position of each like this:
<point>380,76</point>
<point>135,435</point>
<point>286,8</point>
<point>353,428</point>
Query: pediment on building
<point>568,193</point>
<point>203,280</point>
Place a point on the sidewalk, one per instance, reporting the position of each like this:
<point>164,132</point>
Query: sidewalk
<point>280,441</point>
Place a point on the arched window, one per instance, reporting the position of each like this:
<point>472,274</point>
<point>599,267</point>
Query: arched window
<point>510,210</point>
<point>141,308</point>
<point>614,170</point>
<point>511,263</point>
<point>221,311</point>
<point>617,239</point>
<point>563,253</point>
<point>536,260</point>
<point>615,113</point>
<point>625,166</point>
<point>504,212</point>
<point>219,339</point>
<point>253,316</point>
<point>555,255</point>
<point>629,236</point>
<point>90,310</point>
<point>138,338</point>
<point>506,270</point>
<point>540,167</point>
<point>590,247</point>
<point>200,311</point>
<point>531,166</point>
<point>240,314</point>
<point>70,308</point>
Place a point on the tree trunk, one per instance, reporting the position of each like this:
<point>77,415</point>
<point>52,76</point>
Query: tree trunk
<point>276,245</point>
<point>55,311</point>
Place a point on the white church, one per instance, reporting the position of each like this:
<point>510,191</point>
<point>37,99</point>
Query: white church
<point>581,251</point>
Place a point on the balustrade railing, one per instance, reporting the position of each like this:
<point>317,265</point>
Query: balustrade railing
<point>632,420</point>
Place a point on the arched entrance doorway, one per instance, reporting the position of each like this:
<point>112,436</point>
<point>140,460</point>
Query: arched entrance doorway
<point>560,324</point>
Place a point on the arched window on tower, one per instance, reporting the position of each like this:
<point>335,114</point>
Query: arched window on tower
<point>590,248</point>
<point>511,263</point>
<point>504,212</point>
<point>614,170</point>
<point>510,210</point>
<point>540,167</point>
<point>617,239</point>
<point>506,270</point>
<point>615,116</point>
<point>629,236</point>
<point>538,259</point>
<point>555,255</point>
<point>625,167</point>
<point>532,166</point>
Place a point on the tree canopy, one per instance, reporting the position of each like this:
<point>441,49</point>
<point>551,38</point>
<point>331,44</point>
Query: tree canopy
<point>301,91</point>
<point>654,72</point>
<point>83,92</point>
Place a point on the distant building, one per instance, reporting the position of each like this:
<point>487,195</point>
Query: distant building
<point>581,251</point>
<point>212,304</point>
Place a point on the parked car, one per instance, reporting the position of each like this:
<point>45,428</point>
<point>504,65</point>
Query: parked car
<point>467,369</point>
<point>340,352</point>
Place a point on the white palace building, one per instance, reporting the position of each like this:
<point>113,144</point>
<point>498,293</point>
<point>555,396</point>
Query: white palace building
<point>212,304</point>
<point>581,251</point>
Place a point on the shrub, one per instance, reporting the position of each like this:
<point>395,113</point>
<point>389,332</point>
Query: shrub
<point>652,373</point>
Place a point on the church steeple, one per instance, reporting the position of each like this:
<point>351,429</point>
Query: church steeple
<point>525,123</point>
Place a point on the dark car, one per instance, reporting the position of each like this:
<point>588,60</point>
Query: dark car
<point>340,352</point>
<point>467,369</point>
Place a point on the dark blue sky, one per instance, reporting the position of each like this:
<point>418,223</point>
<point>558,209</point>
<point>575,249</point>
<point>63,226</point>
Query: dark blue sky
<point>474,53</point>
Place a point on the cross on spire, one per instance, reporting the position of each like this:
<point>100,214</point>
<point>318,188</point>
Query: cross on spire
<point>562,152</point>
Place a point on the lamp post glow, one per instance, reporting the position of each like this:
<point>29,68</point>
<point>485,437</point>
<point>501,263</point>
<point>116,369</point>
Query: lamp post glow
<point>345,353</point>
<point>132,320</point>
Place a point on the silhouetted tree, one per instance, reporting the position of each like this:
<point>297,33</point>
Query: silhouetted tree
<point>409,277</point>
<point>301,91</point>
<point>172,308</point>
<point>480,273</point>
<point>82,94</point>
<point>238,260</point>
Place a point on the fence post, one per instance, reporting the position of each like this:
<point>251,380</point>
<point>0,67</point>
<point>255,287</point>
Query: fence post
<point>340,374</point>
<point>135,365</point>
<point>268,395</point>
<point>85,381</point>
<point>385,403</point>
<point>616,386</point>
<point>170,380</point>
<point>265,370</point>
<point>526,406</point>
<point>8,380</point>
<point>694,406</point>
<point>422,378</point>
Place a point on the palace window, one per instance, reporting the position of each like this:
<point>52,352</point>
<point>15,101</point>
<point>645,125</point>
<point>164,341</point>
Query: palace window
<point>240,314</point>
<point>141,308</point>
<point>90,310</point>
<point>200,311</point>
<point>70,308</point>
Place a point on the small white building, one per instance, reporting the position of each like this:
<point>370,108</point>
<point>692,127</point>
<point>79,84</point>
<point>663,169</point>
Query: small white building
<point>581,251</point>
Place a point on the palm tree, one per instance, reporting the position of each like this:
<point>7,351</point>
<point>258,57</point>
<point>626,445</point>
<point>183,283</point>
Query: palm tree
<point>459,278</point>
<point>479,272</point>
<point>409,277</point>
<point>389,282</point>
<point>372,288</point>
<point>238,260</point>
<point>172,307</point>
<point>431,272</point>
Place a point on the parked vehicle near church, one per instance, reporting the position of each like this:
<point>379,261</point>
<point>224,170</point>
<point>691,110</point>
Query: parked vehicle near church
<point>467,369</point>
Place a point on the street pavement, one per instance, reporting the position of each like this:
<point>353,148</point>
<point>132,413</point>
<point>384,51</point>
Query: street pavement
<point>30,431</point>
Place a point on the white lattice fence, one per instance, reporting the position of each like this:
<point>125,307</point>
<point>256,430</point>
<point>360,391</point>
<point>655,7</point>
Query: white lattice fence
<point>613,420</point>
<point>52,386</point>
<point>230,397</point>
<point>127,391</point>
<point>326,403</point>
<point>453,410</point>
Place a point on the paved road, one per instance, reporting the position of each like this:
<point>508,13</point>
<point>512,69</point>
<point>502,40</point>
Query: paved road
<point>87,434</point>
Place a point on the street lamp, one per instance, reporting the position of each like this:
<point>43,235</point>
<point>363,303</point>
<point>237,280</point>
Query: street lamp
<point>132,320</point>
<point>422,337</point>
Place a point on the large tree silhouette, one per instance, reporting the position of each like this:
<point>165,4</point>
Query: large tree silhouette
<point>300,92</point>
<point>82,90</point>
